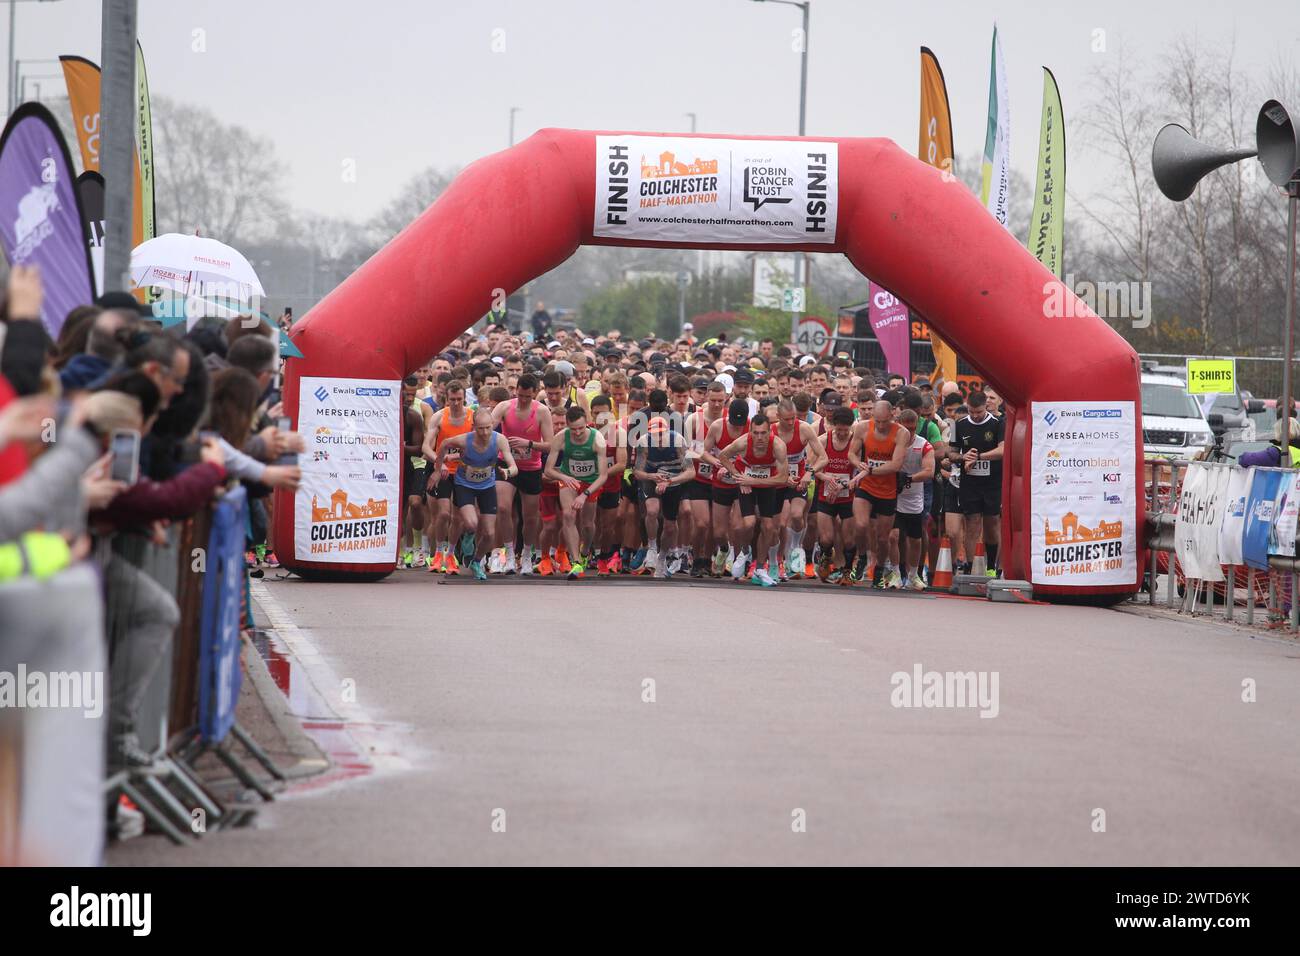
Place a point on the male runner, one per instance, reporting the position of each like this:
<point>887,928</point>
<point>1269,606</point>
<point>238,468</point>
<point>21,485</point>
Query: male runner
<point>607,502</point>
<point>762,484</point>
<point>415,475</point>
<point>474,489</point>
<point>699,492</point>
<point>526,424</point>
<point>661,470</point>
<point>805,455</point>
<point>727,532</point>
<point>834,504</point>
<point>918,468</point>
<point>454,419</point>
<point>879,446</point>
<point>979,439</point>
<point>581,474</point>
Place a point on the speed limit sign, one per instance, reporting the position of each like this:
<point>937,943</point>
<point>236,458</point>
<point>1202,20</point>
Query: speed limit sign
<point>813,336</point>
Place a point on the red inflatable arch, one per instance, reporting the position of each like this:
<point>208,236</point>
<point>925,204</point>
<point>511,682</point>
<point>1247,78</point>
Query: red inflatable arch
<point>513,216</point>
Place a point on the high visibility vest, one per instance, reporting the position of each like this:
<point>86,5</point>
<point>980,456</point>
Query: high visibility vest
<point>1295,456</point>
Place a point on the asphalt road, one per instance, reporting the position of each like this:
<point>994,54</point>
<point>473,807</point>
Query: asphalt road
<point>528,699</point>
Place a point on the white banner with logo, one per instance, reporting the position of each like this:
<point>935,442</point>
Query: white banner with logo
<point>347,508</point>
<point>1084,483</point>
<point>1234,515</point>
<point>1202,503</point>
<point>695,189</point>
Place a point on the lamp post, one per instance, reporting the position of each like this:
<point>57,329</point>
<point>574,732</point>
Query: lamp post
<point>513,111</point>
<point>11,77</point>
<point>804,6</point>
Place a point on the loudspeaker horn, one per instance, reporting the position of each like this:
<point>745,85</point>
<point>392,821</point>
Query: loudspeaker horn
<point>1179,161</point>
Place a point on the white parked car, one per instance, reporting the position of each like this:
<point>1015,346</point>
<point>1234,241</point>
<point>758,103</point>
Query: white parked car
<point>1173,425</point>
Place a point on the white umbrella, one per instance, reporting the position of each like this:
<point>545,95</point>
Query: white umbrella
<point>195,266</point>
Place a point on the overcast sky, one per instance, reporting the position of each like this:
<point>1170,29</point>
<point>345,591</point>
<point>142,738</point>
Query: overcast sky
<point>397,85</point>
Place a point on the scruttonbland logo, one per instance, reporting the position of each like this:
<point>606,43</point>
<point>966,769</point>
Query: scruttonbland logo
<point>946,689</point>
<point>71,690</point>
<point>134,910</point>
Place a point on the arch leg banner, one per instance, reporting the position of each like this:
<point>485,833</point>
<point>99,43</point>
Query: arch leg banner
<point>1072,507</point>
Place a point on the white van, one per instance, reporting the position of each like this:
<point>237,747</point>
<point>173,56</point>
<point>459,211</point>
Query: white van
<point>1173,425</point>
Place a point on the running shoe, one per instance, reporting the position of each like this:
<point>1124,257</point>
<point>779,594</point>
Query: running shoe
<point>468,545</point>
<point>546,567</point>
<point>507,561</point>
<point>916,583</point>
<point>809,570</point>
<point>893,580</point>
<point>602,567</point>
<point>798,562</point>
<point>562,562</point>
<point>260,551</point>
<point>451,565</point>
<point>495,561</point>
<point>837,576</point>
<point>739,565</point>
<point>650,563</point>
<point>250,559</point>
<point>526,563</point>
<point>421,559</point>
<point>991,573</point>
<point>660,566</point>
<point>576,571</point>
<point>439,559</point>
<point>477,568</point>
<point>638,561</point>
<point>681,565</point>
<point>408,558</point>
<point>699,567</point>
<point>719,563</point>
<point>859,568</point>
<point>271,561</point>
<point>615,563</point>
<point>761,577</point>
<point>826,569</point>
<point>781,573</point>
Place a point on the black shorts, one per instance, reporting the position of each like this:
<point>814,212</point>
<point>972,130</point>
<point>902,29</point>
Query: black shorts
<point>880,507</point>
<point>836,509</point>
<point>910,525</point>
<point>980,497</point>
<point>696,490</point>
<point>528,482</point>
<point>484,499</point>
<point>792,492</point>
<point>670,501</point>
<point>766,501</point>
<point>608,500</point>
<point>951,501</point>
<point>442,489</point>
<point>417,480</point>
<point>725,497</point>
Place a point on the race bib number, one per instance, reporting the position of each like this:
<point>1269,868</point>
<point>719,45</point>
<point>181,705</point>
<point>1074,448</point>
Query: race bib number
<point>582,468</point>
<point>453,454</point>
<point>876,462</point>
<point>836,491</point>
<point>478,475</point>
<point>703,470</point>
<point>758,471</point>
<point>981,468</point>
<point>794,470</point>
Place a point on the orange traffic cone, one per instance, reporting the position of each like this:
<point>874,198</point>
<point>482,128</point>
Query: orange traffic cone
<point>943,567</point>
<point>979,564</point>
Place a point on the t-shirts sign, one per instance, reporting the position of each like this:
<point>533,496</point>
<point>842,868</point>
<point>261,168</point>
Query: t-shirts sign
<point>1211,376</point>
<point>347,507</point>
<point>697,189</point>
<point>1084,475</point>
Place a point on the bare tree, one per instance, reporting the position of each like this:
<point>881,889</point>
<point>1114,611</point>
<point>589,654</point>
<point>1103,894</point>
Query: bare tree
<point>214,178</point>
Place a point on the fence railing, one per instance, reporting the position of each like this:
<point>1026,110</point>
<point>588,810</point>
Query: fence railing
<point>1276,586</point>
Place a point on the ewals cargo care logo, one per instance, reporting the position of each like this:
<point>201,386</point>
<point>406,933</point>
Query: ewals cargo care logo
<point>1051,416</point>
<point>321,394</point>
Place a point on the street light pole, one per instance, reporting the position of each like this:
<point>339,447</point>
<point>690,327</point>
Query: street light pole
<point>1293,193</point>
<point>513,111</point>
<point>799,258</point>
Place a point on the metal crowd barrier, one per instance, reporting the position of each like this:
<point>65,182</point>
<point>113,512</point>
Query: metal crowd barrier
<point>1162,514</point>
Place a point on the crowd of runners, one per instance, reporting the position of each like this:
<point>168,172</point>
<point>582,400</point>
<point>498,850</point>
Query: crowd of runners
<point>582,455</point>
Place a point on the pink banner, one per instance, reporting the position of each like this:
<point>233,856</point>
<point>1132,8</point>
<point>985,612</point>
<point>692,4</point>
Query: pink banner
<point>889,322</point>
